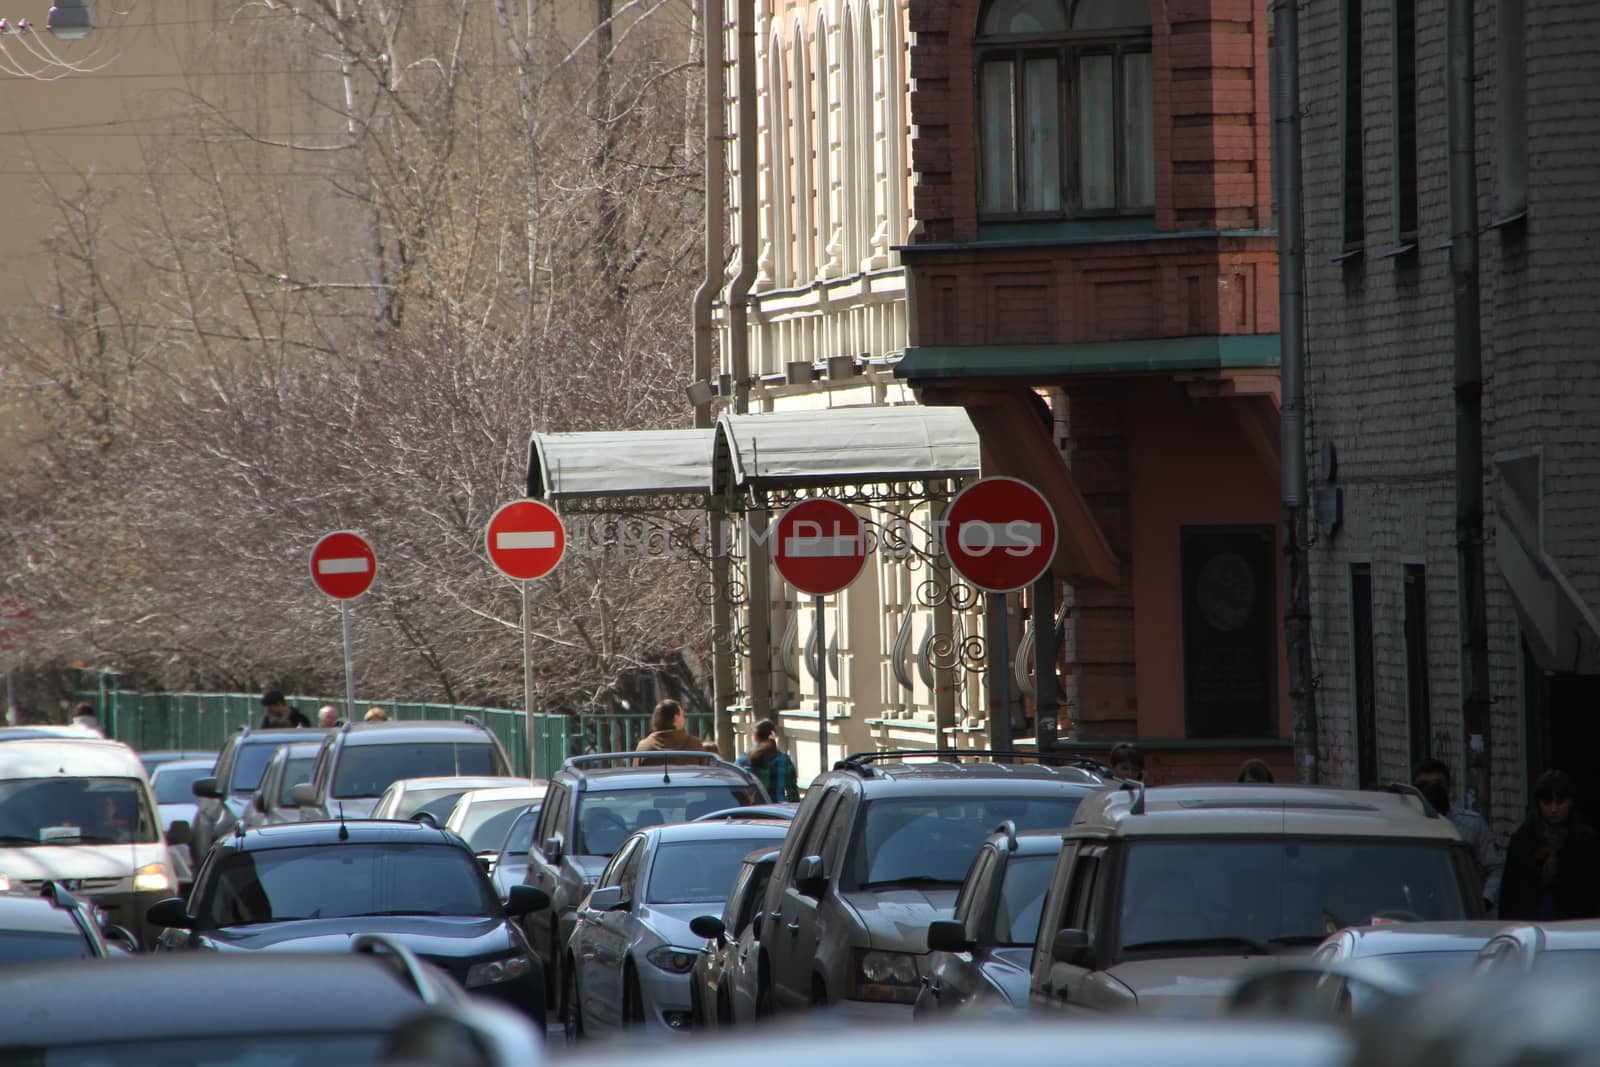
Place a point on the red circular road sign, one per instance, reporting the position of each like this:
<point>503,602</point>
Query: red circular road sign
<point>526,539</point>
<point>343,565</point>
<point>1000,534</point>
<point>819,546</point>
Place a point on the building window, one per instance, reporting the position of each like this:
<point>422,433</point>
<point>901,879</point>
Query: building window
<point>1511,115</point>
<point>1230,626</point>
<point>1352,162</point>
<point>1405,121</point>
<point>1363,665</point>
<point>1065,108</point>
<point>1416,623</point>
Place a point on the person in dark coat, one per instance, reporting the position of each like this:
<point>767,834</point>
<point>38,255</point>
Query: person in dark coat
<point>772,768</point>
<point>279,714</point>
<point>1552,866</point>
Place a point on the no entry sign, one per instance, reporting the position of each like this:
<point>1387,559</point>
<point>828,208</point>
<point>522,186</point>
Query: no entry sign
<point>819,546</point>
<point>343,565</point>
<point>526,539</point>
<point>1000,534</point>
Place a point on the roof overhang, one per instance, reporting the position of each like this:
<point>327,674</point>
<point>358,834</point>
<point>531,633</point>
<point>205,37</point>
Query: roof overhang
<point>625,469</point>
<point>1044,363</point>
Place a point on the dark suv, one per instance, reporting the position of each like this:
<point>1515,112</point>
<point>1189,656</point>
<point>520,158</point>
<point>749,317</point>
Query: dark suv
<point>877,851</point>
<point>593,804</point>
<point>223,798</point>
<point>360,760</point>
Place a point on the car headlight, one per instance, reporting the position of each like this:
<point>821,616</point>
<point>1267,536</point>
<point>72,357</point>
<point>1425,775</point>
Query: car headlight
<point>5,884</point>
<point>495,971</point>
<point>675,960</point>
<point>152,878</point>
<point>890,977</point>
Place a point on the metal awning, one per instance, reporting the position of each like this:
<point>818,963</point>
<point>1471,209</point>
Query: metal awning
<point>623,470</point>
<point>838,447</point>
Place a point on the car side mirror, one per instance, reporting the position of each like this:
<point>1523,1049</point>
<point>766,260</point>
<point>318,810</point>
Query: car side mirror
<point>607,898</point>
<point>304,794</point>
<point>947,935</point>
<point>204,787</point>
<point>525,900</point>
<point>123,938</point>
<point>708,926</point>
<point>552,849</point>
<point>809,878</point>
<point>1072,948</point>
<point>170,912</point>
<point>180,833</point>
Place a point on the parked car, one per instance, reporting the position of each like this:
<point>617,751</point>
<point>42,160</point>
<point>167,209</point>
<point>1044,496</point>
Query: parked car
<point>436,796</point>
<point>360,760</point>
<point>878,850</point>
<point>80,810</point>
<point>630,955</point>
<point>482,816</point>
<point>983,954</point>
<point>1570,948</point>
<point>273,801</point>
<point>510,865</point>
<point>173,782</point>
<point>313,887</point>
<point>778,810</point>
<point>1423,955</point>
<point>224,797</point>
<point>593,803</point>
<point>52,924</point>
<point>1164,898</point>
<point>284,1009</point>
<point>157,757</point>
<point>724,987</point>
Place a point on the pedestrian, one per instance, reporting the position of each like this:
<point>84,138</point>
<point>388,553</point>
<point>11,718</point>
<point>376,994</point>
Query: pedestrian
<point>1255,770</point>
<point>771,766</point>
<point>667,733</point>
<point>279,715</point>
<point>84,717</point>
<point>327,716</point>
<point>1432,779</point>
<point>1127,762</point>
<point>375,714</point>
<point>1553,864</point>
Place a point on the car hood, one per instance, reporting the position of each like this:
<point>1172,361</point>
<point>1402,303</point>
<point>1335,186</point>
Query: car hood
<point>1188,985</point>
<point>670,922</point>
<point>1010,970</point>
<point>77,861</point>
<point>897,918</point>
<point>439,936</point>
<point>171,813</point>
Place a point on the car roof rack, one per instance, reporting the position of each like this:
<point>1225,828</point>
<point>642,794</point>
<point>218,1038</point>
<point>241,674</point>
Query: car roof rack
<point>1009,828</point>
<point>1407,790</point>
<point>861,762</point>
<point>672,756</point>
<point>406,964</point>
<point>1137,807</point>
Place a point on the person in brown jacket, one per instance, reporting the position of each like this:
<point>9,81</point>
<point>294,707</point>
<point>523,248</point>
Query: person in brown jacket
<point>668,735</point>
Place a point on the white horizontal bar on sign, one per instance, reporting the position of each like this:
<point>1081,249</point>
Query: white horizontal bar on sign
<point>358,565</point>
<point>979,537</point>
<point>813,546</point>
<point>525,539</point>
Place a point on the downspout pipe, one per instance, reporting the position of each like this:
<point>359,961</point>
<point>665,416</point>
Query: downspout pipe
<point>1470,569</point>
<point>1291,319</point>
<point>716,179</point>
<point>749,218</point>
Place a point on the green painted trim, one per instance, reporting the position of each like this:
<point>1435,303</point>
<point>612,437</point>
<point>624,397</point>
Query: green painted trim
<point>1230,351</point>
<point>1040,237</point>
<point>1065,229</point>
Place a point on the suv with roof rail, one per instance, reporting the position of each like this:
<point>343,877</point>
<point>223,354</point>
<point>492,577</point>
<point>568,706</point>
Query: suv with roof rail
<point>360,760</point>
<point>877,850</point>
<point>1165,897</point>
<point>225,796</point>
<point>593,803</point>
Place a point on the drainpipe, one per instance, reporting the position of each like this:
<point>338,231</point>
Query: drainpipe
<point>716,168</point>
<point>749,237</point>
<point>1474,609</point>
<point>1291,318</point>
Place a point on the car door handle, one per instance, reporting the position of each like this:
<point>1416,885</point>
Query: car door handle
<point>795,925</point>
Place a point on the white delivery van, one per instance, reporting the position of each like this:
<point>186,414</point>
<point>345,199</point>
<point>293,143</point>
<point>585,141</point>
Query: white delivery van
<point>80,810</point>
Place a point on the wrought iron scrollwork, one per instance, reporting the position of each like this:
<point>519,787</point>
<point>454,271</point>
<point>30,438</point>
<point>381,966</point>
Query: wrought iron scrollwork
<point>1020,670</point>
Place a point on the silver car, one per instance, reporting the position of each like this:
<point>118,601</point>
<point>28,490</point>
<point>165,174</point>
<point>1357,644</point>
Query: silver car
<point>510,865</point>
<point>173,782</point>
<point>437,796</point>
<point>631,952</point>
<point>273,800</point>
<point>482,816</point>
<point>725,985</point>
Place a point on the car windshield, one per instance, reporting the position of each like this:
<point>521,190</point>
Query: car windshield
<point>520,838</point>
<point>931,840</point>
<point>250,763</point>
<point>173,782</point>
<point>346,879</point>
<point>298,772</point>
<point>27,946</point>
<point>484,824</point>
<point>367,770</point>
<point>75,811</point>
<point>696,872</point>
<point>1016,916</point>
<point>252,1050</point>
<point>607,817</point>
<point>1268,894</point>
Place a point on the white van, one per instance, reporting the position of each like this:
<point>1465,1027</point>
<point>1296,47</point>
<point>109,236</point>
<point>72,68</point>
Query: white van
<point>80,809</point>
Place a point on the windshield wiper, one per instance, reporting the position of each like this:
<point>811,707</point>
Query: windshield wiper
<point>909,880</point>
<point>21,839</point>
<point>1246,943</point>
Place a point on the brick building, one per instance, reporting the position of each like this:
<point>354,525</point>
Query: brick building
<point>1381,422</point>
<point>1093,229</point>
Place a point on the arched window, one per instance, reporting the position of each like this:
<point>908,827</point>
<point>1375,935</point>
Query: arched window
<point>800,127</point>
<point>822,146</point>
<point>1065,108</point>
<point>777,164</point>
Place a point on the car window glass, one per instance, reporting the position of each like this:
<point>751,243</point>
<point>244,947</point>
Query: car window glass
<point>73,811</point>
<point>486,824</point>
<point>760,878</point>
<point>519,839</point>
<point>1080,894</point>
<point>932,839</point>
<point>607,816</point>
<point>296,771</point>
<point>612,875</point>
<point>174,783</point>
<point>698,872</point>
<point>1021,898</point>
<point>367,770</point>
<point>225,760</point>
<point>838,832</point>
<point>811,842</point>
<point>628,876</point>
<point>250,764</point>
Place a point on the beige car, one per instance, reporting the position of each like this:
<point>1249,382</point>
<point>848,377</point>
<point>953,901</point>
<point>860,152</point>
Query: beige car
<point>1164,898</point>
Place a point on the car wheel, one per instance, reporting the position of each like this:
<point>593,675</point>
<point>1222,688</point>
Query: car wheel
<point>632,999</point>
<point>556,985</point>
<point>724,1008</point>
<point>571,1005</point>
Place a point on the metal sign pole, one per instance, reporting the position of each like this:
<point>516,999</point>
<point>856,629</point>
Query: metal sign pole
<point>349,667</point>
<point>822,686</point>
<point>527,671</point>
<point>1000,675</point>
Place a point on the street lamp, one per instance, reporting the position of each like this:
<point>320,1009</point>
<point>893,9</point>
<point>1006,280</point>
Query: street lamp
<point>69,20</point>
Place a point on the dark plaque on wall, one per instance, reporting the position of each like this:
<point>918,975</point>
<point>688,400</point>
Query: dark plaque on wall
<point>1230,650</point>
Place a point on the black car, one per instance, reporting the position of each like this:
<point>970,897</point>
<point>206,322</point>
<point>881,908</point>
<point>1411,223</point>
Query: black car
<point>223,797</point>
<point>360,760</point>
<point>51,925</point>
<point>284,1009</point>
<point>316,887</point>
<point>592,805</point>
<point>985,953</point>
